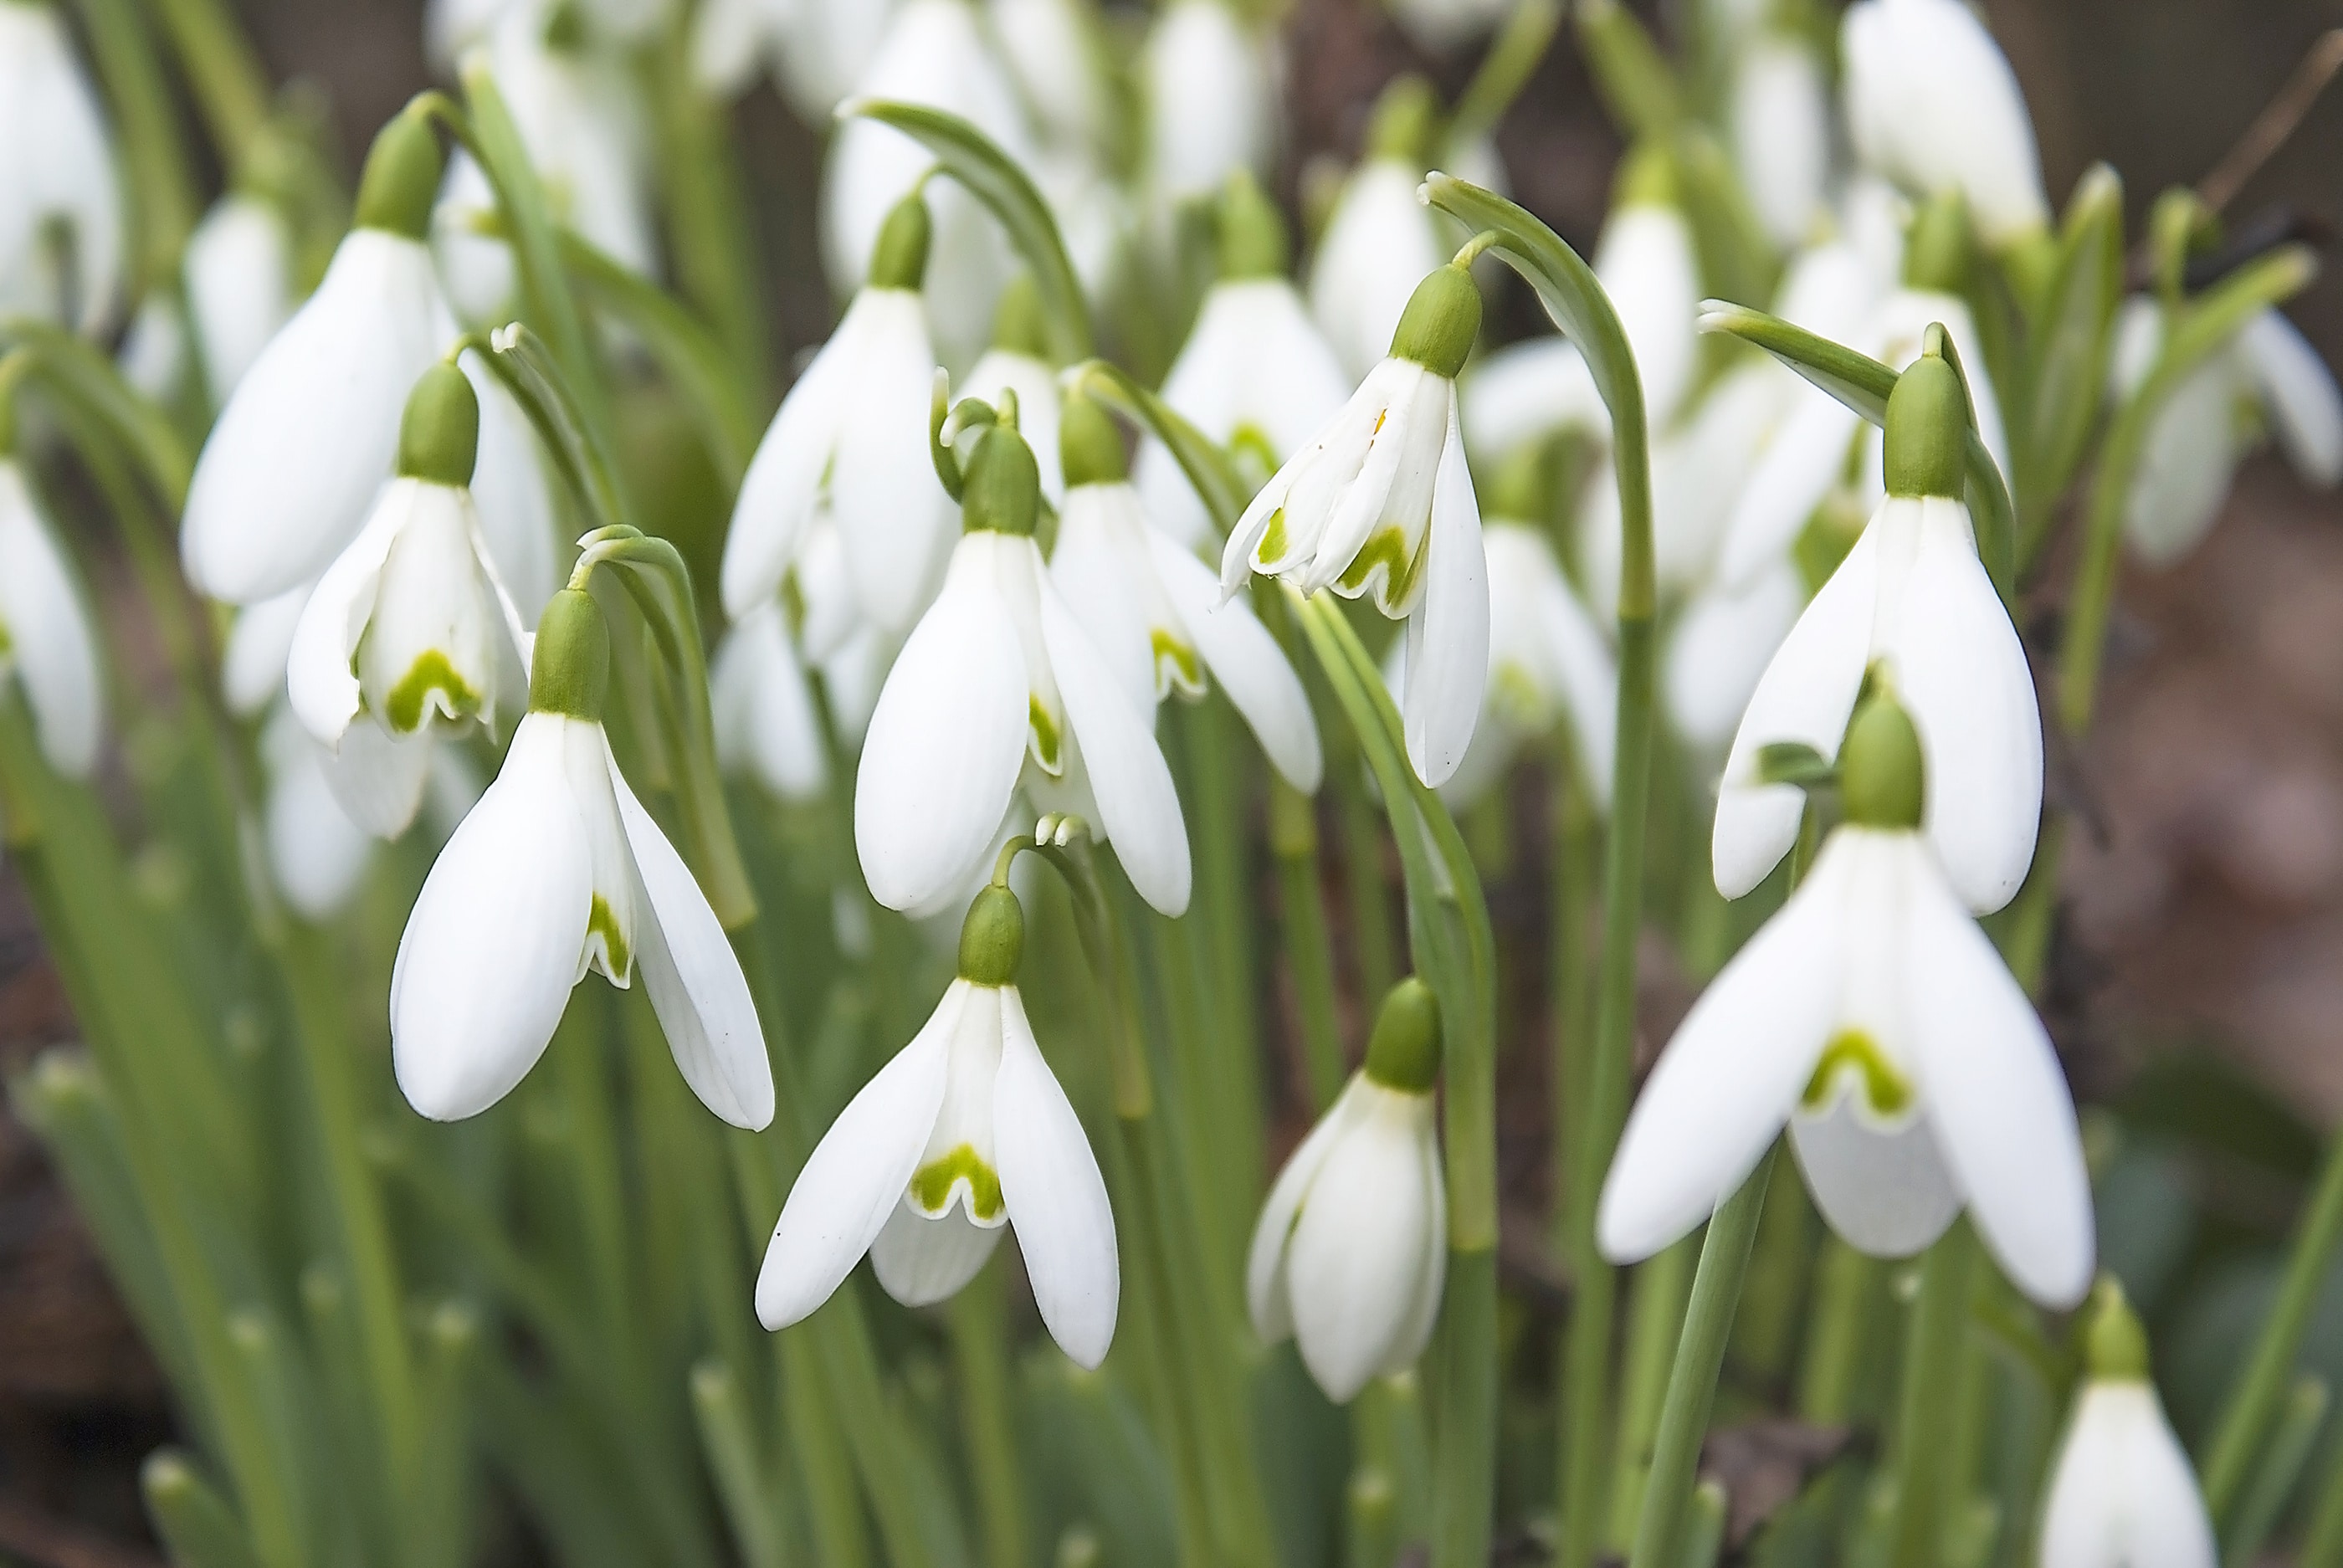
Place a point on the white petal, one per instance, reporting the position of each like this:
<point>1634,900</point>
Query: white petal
<point>434,639</point>
<point>921,1260</point>
<point>1039,401</point>
<point>1265,1280</point>
<point>764,710</point>
<point>252,667</point>
<point>1991,1089</point>
<point>776,494</point>
<point>46,633</point>
<point>320,673</point>
<point>1806,695</point>
<point>893,515</point>
<point>379,777</point>
<point>490,949</point>
<point>1961,671</point>
<point>694,977</point>
<point>856,1177</point>
<point>1139,809</point>
<point>1528,389</point>
<point>1355,1265</point>
<point>1886,1193</point>
<point>1645,262</point>
<point>511,495</point>
<point>1722,643</point>
<point>1805,457</point>
<point>2123,1494</point>
<point>2184,474</point>
<point>238,272</point>
<point>1431,1273</point>
<point>315,852</point>
<point>1095,576</point>
<point>1726,1082</point>
<point>1057,1199</point>
<point>1378,244</point>
<point>284,479</point>
<point>1248,663</point>
<point>1448,635</point>
<point>947,741</point>
<point>2306,410</point>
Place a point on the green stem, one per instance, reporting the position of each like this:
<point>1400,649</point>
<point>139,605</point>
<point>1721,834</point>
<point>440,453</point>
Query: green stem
<point>980,1353</point>
<point>1927,1469</point>
<point>2322,1542</point>
<point>707,203</point>
<point>231,85</point>
<point>729,1440</point>
<point>2238,1439</point>
<point>1372,946</point>
<point>1700,1358</point>
<point>2264,1501</point>
<point>162,188</point>
<point>1309,952</point>
<point>1662,1293</point>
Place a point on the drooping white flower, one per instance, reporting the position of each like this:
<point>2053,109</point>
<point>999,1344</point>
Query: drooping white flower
<point>252,666</point>
<point>2268,379</point>
<point>156,355</point>
<point>767,724</point>
<point>1155,611</point>
<point>584,128</point>
<point>452,26</point>
<point>818,49</point>
<point>1647,264</point>
<point>999,685</point>
<point>1913,599</point>
<point>1381,505</point>
<point>316,855</point>
<point>1210,86</point>
<point>1057,55</point>
<point>1718,648</point>
<point>1256,374</point>
<point>964,1131</point>
<point>2122,1492</point>
<point>1781,132</point>
<point>476,264</point>
<point>61,234</point>
<point>1017,363</point>
<point>1934,105</point>
<point>1527,391</point>
<point>1382,238</point>
<point>559,870</point>
<point>1874,1019</point>
<point>850,441</point>
<point>293,463</point>
<point>1352,1248</point>
<point>238,271</point>
<point>935,54</point>
<point>48,645</point>
<point>407,630</point>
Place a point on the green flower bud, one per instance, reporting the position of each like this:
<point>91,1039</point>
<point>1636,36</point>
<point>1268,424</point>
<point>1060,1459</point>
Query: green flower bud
<point>1406,114</point>
<point>1403,1053</point>
<point>993,938</point>
<point>1938,251</point>
<point>569,673</point>
<point>402,176</point>
<point>439,434</point>
<point>1089,444</point>
<point>1000,484</point>
<point>1252,231</point>
<point>1882,776</point>
<point>1441,320</point>
<point>900,259</point>
<point>1927,431</point>
<point>1020,325</point>
<point>2115,1346</point>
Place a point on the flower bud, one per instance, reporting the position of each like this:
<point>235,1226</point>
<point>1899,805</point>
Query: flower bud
<point>1089,445</point>
<point>401,178</point>
<point>439,433</point>
<point>1001,485</point>
<point>1881,775</point>
<point>993,938</point>
<point>900,257</point>
<point>1252,231</point>
<point>1441,320</point>
<point>1403,1052</point>
<point>569,672</point>
<point>1927,431</point>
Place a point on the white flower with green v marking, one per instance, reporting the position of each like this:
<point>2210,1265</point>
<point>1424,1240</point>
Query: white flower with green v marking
<point>966,1132</point>
<point>2123,1494</point>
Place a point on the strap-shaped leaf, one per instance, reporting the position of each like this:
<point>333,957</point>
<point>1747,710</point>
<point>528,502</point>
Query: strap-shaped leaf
<point>87,378</point>
<point>519,359</point>
<point>2066,354</point>
<point>1637,85</point>
<point>970,157</point>
<point>1209,470</point>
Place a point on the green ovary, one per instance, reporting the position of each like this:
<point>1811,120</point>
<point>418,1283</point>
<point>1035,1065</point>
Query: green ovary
<point>931,1185</point>
<point>1385,548</point>
<point>403,709</point>
<point>1886,1092</point>
<point>1046,742</point>
<point>603,922</point>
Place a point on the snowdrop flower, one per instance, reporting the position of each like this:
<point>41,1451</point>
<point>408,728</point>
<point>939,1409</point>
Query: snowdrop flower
<point>559,870</point>
<point>2266,377</point>
<point>238,274</point>
<point>1647,264</point>
<point>1913,599</point>
<point>584,130</point>
<point>935,54</point>
<point>404,633</point>
<point>1934,105</point>
<point>1018,363</point>
<point>1382,238</point>
<point>1381,504</point>
<point>1153,610</point>
<point>451,26</point>
<point>965,1130</point>
<point>46,642</point>
<point>1874,1017</point>
<point>1056,53</point>
<point>1001,684</point>
<point>61,219</point>
<point>290,468</point>
<point>1352,1249</point>
<point>1718,649</point>
<point>1781,132</point>
<point>1254,375</point>
<point>851,439</point>
<point>1528,392</point>
<point>1210,89</point>
<point>766,723</point>
<point>2122,1490</point>
<point>316,855</point>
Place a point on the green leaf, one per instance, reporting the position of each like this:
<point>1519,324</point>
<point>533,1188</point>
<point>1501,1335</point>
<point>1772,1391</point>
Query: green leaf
<point>1638,85</point>
<point>194,1521</point>
<point>1794,762</point>
<point>968,156</point>
<point>1736,259</point>
<point>2066,353</point>
<point>1208,468</point>
<point>519,359</point>
<point>86,377</point>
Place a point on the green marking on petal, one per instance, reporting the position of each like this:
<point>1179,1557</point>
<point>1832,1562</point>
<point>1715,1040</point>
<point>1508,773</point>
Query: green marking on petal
<point>931,1185</point>
<point>404,710</point>
<point>1272,539</point>
<point>1886,1092</point>
<point>1387,549</point>
<point>1045,736</point>
<point>1187,674</point>
<point>619,962</point>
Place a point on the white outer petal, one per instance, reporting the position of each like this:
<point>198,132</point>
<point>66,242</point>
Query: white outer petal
<point>2306,410</point>
<point>53,648</point>
<point>857,1174</point>
<point>1057,1200</point>
<point>1800,465</point>
<point>891,511</point>
<point>315,853</point>
<point>1991,1087</point>
<point>946,742</point>
<point>319,674</point>
<point>378,778</point>
<point>1527,389</point>
<point>238,272</point>
<point>1645,262</point>
<point>1448,635</point>
<point>252,666</point>
<point>491,951</point>
<point>785,475</point>
<point>1378,246</point>
<point>510,494</point>
<point>1722,643</point>
<point>764,712</point>
<point>2122,1493</point>
<point>2184,470</point>
<point>1248,663</point>
<point>1266,1297</point>
<point>694,977</point>
<point>1727,1082</point>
